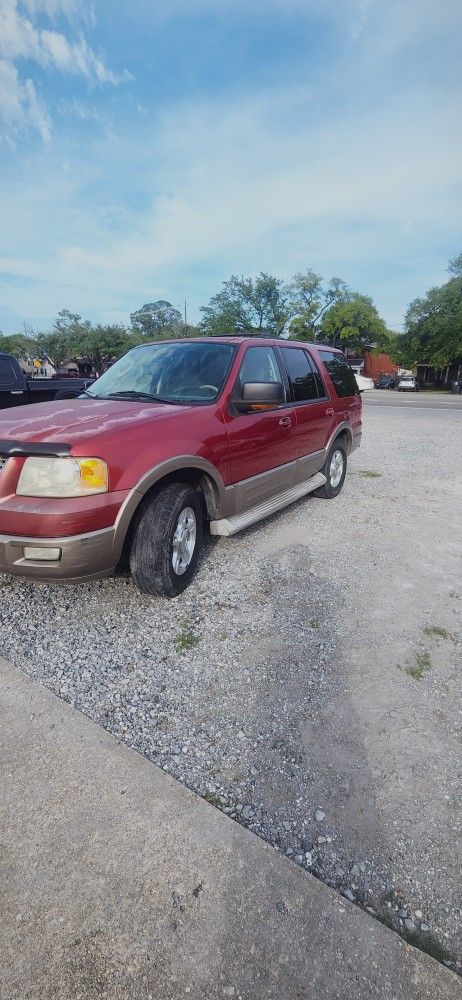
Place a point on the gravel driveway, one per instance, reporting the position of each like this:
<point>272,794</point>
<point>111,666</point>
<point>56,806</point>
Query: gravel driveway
<point>308,683</point>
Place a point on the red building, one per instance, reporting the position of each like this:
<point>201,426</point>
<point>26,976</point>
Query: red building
<point>378,364</point>
<point>372,364</point>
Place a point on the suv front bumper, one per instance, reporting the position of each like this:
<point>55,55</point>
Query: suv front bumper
<point>82,557</point>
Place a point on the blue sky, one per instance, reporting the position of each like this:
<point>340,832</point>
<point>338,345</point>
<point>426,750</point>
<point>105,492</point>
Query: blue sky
<point>151,149</point>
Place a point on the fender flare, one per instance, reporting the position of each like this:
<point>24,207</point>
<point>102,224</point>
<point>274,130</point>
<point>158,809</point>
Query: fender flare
<point>340,429</point>
<point>211,482</point>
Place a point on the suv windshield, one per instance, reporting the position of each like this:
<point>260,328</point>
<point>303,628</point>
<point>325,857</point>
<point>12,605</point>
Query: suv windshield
<point>169,372</point>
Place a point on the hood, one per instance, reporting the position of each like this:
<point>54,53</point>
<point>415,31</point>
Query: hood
<point>72,421</point>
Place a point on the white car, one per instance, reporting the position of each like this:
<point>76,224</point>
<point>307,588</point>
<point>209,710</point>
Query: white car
<point>408,383</point>
<point>363,382</point>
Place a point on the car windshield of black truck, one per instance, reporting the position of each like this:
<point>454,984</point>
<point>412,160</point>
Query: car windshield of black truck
<point>182,372</point>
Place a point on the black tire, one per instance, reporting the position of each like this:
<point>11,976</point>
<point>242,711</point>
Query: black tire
<point>152,548</point>
<point>328,491</point>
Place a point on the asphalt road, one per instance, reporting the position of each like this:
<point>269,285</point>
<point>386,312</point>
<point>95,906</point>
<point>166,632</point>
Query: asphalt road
<point>415,400</point>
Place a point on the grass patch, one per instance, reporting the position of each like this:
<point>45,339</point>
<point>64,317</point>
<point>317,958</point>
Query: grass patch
<point>186,639</point>
<point>213,799</point>
<point>429,944</point>
<point>386,919</point>
<point>425,942</point>
<point>421,666</point>
<point>438,631</point>
<point>370,474</point>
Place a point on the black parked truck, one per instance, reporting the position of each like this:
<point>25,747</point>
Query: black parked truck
<point>15,389</point>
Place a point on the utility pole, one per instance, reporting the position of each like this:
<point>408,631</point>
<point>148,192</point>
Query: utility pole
<point>185,317</point>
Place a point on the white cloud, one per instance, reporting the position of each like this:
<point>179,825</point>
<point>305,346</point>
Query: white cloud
<point>79,109</point>
<point>19,103</point>
<point>36,111</point>
<point>11,93</point>
<point>76,11</point>
<point>21,39</point>
<point>320,175</point>
<point>242,187</point>
<point>395,24</point>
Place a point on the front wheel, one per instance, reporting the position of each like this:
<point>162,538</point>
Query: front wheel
<point>166,540</point>
<point>334,469</point>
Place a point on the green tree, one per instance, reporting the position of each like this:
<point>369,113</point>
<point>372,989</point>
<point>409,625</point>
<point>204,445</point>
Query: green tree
<point>100,344</point>
<point>433,333</point>
<point>310,298</point>
<point>157,320</point>
<point>19,345</point>
<point>63,341</point>
<point>353,322</point>
<point>72,338</point>
<point>455,266</point>
<point>248,305</point>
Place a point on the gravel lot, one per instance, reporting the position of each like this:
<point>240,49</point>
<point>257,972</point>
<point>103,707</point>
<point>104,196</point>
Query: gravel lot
<point>308,683</point>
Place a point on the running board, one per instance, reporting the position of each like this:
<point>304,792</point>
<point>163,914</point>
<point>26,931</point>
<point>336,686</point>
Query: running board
<point>227,526</point>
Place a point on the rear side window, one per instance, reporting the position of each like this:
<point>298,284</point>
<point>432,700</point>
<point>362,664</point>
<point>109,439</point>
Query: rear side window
<point>340,373</point>
<point>301,374</point>
<point>7,372</point>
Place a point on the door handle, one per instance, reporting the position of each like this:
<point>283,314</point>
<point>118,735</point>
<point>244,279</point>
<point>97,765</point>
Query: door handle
<point>285,422</point>
<point>17,392</point>
<point>329,412</point>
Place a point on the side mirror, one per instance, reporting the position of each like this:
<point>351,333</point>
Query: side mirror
<point>259,396</point>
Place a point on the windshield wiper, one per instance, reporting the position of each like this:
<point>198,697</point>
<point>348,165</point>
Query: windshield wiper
<point>134,394</point>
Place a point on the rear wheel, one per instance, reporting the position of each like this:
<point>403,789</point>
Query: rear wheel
<point>334,470</point>
<point>166,540</point>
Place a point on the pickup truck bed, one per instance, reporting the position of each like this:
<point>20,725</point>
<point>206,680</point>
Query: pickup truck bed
<point>16,390</point>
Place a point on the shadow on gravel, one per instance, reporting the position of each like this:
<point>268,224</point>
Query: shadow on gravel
<point>311,776</point>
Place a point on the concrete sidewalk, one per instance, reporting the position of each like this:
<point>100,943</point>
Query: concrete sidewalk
<point>117,882</point>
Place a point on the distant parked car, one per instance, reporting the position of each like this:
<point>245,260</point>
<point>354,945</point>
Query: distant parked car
<point>408,383</point>
<point>385,382</point>
<point>363,382</point>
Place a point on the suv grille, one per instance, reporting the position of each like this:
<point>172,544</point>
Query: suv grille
<point>3,462</point>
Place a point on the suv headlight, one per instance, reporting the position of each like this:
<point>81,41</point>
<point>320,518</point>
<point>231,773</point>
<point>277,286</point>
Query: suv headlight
<point>62,477</point>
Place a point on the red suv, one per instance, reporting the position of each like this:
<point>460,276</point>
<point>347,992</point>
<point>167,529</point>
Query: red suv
<point>175,435</point>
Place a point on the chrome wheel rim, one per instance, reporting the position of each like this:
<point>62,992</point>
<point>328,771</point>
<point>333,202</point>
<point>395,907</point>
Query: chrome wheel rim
<point>336,469</point>
<point>184,541</point>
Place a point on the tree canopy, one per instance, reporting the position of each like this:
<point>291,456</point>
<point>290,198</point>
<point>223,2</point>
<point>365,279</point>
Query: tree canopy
<point>156,320</point>
<point>310,297</point>
<point>305,309</point>
<point>433,333</point>
<point>19,345</point>
<point>71,338</point>
<point>455,266</point>
<point>248,305</point>
<point>353,321</point>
